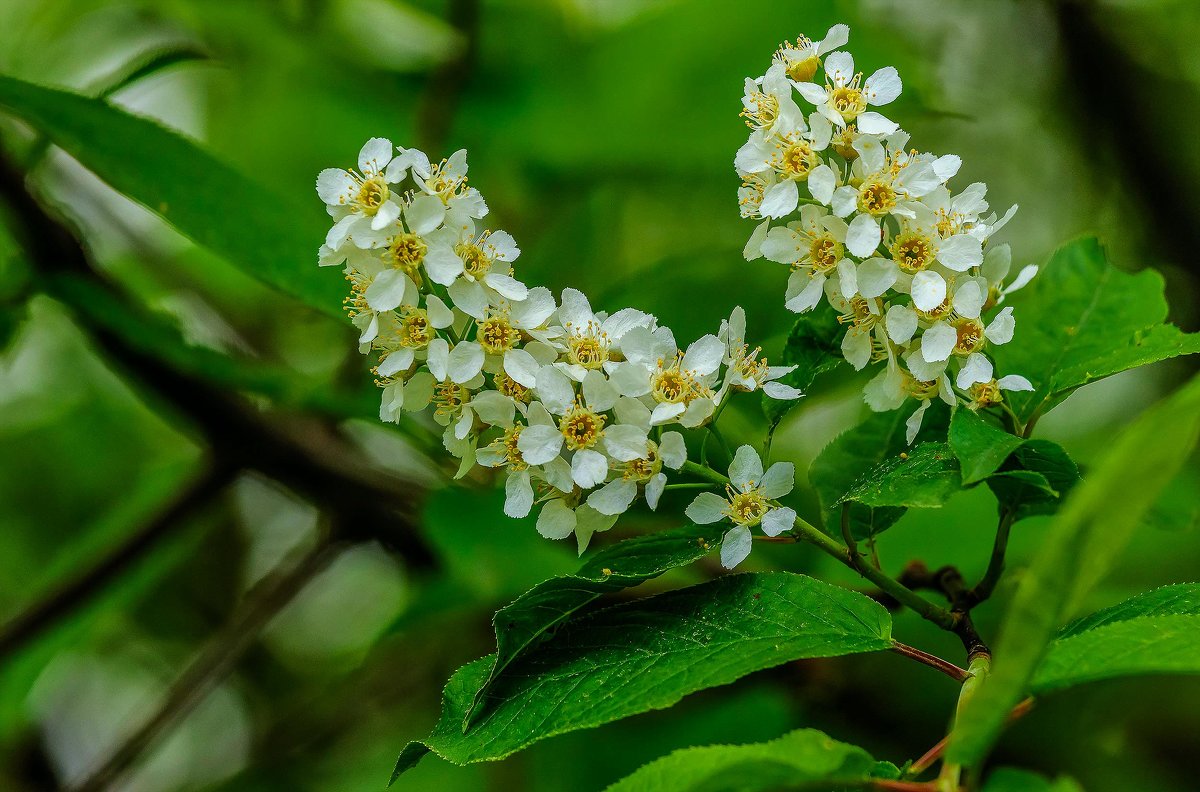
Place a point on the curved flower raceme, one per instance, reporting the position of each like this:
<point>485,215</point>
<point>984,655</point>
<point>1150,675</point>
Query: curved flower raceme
<point>873,228</point>
<point>578,407</point>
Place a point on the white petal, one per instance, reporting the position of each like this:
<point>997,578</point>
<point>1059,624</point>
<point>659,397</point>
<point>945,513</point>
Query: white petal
<point>847,278</point>
<point>535,309</point>
<point>875,276</point>
<point>812,93</point>
<point>625,442</point>
<point>424,214</point>
<point>518,494</point>
<point>901,323</point>
<point>654,489</point>
<point>947,166</point>
<point>494,408</point>
<point>845,200</point>
<point>968,299</point>
<point>556,521</point>
<point>960,252</point>
<point>704,355</point>
<point>745,468</point>
<point>464,362</point>
<point>928,290</point>
<point>753,249</point>
<point>1014,382</point>
<point>671,450</point>
<point>442,264</point>
<point>872,123</point>
<point>539,444</point>
<point>780,200</point>
<point>778,521</point>
<point>439,315</point>
<point>997,262</point>
<point>779,480</point>
<point>396,362</point>
<point>809,296</point>
<point>438,353</point>
<point>883,86</point>
<point>778,390</point>
<point>469,297</point>
<point>913,425</point>
<point>665,412</point>
<point>863,235</point>
<point>736,546</point>
<point>614,497</point>
<point>387,290</point>
<point>588,468</point>
<point>707,508</point>
<point>508,286</point>
<point>1000,330</point>
<point>856,348</point>
<point>521,366</point>
<point>385,216</point>
<point>598,393</point>
<point>697,413</point>
<point>821,183</point>
<point>938,342</point>
<point>375,156</point>
<point>555,390</point>
<point>1023,278</point>
<point>335,186</point>
<point>977,369</point>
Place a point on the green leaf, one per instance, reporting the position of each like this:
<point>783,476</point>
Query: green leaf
<point>1087,535</point>
<point>843,461</point>
<point>926,477</point>
<point>1082,319</point>
<point>272,237</point>
<point>649,654</point>
<point>802,759</point>
<point>980,447</point>
<point>1181,599</point>
<point>1145,645</point>
<point>1035,479</point>
<point>1010,779</point>
<point>814,346</point>
<point>522,624</point>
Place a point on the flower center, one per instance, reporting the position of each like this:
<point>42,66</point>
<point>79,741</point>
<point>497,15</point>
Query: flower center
<point>644,469</point>
<point>587,346</point>
<point>941,311</point>
<point>414,331</point>
<point>799,159</point>
<point>750,366</point>
<point>356,302</point>
<point>442,184</point>
<point>876,197</point>
<point>825,253</point>
<point>407,251</point>
<point>848,100</point>
<point>512,454</point>
<point>496,335</point>
<point>920,389</point>
<point>843,143</point>
<point>763,111</point>
<point>912,251</point>
<point>675,385</point>
<point>371,195</point>
<point>746,508</point>
<point>859,313</point>
<point>985,394</point>
<point>970,336</point>
<point>581,427</point>
<point>511,388</point>
<point>449,397</point>
<point>475,262</point>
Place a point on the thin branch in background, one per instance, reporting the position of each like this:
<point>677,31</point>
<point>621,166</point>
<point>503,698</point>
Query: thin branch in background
<point>211,665</point>
<point>446,85</point>
<point>987,584</point>
<point>933,661</point>
<point>71,594</point>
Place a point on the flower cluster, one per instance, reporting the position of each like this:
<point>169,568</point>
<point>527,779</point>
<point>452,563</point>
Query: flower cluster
<point>576,406</point>
<point>906,263</point>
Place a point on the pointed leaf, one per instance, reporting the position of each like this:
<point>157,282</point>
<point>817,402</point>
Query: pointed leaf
<point>926,477</point>
<point>980,447</point>
<point>1145,645</point>
<point>647,655</point>
<point>1181,599</point>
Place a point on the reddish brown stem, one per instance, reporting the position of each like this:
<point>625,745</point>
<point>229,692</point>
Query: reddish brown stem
<point>933,754</point>
<point>933,661</point>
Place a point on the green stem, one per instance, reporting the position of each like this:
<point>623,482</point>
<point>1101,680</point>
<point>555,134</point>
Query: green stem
<point>950,777</point>
<point>689,485</point>
<point>987,584</point>
<point>712,427</point>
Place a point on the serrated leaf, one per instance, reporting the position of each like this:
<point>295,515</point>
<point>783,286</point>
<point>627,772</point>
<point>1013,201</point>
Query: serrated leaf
<point>980,447</point>
<point>1082,319</point>
<point>272,237</point>
<point>843,461</point>
<point>802,759</point>
<point>1145,645</point>
<point>646,655</point>
<point>520,625</point>
<point>1181,599</point>
<point>1085,538</point>
<point>1034,479</point>
<point>925,476</point>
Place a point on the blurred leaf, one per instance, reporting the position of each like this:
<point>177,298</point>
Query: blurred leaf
<point>856,450</point>
<point>272,237</point>
<point>980,447</point>
<point>526,621</point>
<point>1010,779</point>
<point>805,758</point>
<point>1082,543</point>
<point>1144,645</point>
<point>925,477</point>
<point>813,347</point>
<point>1082,319</point>
<point>1034,479</point>
<point>647,655</point>
<point>1181,599</point>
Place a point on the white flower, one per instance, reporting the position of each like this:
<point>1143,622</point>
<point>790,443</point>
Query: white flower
<point>845,97</point>
<point>616,496</point>
<point>361,201</point>
<point>802,59</point>
<point>748,502</point>
<point>744,370</point>
<point>465,262</point>
<point>445,196</point>
<point>587,339</point>
<point>768,105</point>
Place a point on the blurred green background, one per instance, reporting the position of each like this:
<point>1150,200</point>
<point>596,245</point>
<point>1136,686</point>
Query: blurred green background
<point>602,134</point>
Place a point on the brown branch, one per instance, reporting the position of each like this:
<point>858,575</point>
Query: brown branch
<point>47,611</point>
<point>933,661</point>
<point>931,756</point>
<point>949,582</point>
<point>210,666</point>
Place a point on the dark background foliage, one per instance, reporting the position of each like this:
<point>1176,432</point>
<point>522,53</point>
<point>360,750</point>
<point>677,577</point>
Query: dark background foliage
<point>602,133</point>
